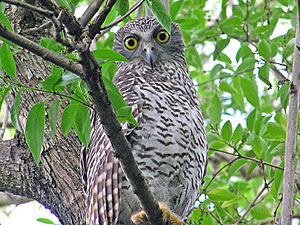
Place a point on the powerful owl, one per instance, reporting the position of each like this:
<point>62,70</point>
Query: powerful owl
<point>169,145</point>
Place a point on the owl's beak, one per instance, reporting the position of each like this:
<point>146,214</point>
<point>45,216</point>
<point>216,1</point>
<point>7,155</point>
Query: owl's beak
<point>150,55</point>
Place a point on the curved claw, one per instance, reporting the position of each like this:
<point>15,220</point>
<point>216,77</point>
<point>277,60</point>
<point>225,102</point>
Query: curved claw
<point>169,217</point>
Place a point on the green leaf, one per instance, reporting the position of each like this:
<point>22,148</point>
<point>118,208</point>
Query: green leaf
<point>122,6</point>
<point>264,74</point>
<point>247,65</point>
<point>274,49</point>
<point>34,132</point>
<point>237,134</point>
<point>221,45</point>
<point>50,44</point>
<point>257,16</point>
<point>45,220</point>
<point>8,62</point>
<point>15,111</point>
<point>251,120</point>
<point>264,49</point>
<point>109,55</point>
<point>53,117</point>
<point>226,132</point>
<point>276,131</point>
<point>200,215</point>
<point>161,13</point>
<point>116,99</point>
<point>2,6</point>
<point>258,146</point>
<point>231,22</point>
<point>244,52</point>
<point>125,113</point>
<point>225,86</point>
<point>215,109</point>
<point>188,23</point>
<point>277,182</point>
<point>67,78</point>
<point>52,80</point>
<point>192,56</point>
<point>238,97</point>
<point>284,95</point>
<point>235,166</point>
<point>68,118</point>
<point>260,212</point>
<point>82,124</point>
<point>231,202</point>
<point>250,91</point>
<point>65,4</point>
<point>224,58</point>
<point>238,11</point>
<point>284,2</point>
<point>174,9</point>
<point>217,68</point>
<point>3,93</point>
<point>4,21</point>
<point>220,195</point>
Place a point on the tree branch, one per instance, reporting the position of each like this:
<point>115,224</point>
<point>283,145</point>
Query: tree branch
<point>120,18</point>
<point>254,201</point>
<point>44,53</point>
<point>51,183</point>
<point>291,134</point>
<point>90,12</point>
<point>7,199</point>
<point>248,158</point>
<point>94,28</point>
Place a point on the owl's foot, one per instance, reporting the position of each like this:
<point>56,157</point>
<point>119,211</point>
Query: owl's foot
<point>168,216</point>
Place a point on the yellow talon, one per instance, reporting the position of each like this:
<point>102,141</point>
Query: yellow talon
<point>141,217</point>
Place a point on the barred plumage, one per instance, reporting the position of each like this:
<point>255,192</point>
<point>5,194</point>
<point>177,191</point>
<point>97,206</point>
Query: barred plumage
<point>169,144</point>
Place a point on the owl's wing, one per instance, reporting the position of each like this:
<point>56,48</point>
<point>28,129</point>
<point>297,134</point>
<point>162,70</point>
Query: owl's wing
<point>101,171</point>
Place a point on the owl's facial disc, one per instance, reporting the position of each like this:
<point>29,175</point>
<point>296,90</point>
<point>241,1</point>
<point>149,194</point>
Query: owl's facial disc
<point>150,55</point>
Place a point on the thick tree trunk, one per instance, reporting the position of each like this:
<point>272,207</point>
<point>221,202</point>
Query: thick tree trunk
<point>56,182</point>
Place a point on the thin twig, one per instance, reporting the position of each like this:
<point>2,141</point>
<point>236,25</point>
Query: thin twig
<point>19,85</point>
<point>92,9</point>
<point>38,29</point>
<point>95,27</point>
<point>120,18</point>
<point>215,175</point>
<point>248,158</point>
<point>276,209</point>
<point>254,201</point>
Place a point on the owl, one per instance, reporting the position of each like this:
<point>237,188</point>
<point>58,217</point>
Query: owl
<point>169,145</point>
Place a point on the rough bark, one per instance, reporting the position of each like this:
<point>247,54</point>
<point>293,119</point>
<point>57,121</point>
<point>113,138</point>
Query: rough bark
<point>56,182</point>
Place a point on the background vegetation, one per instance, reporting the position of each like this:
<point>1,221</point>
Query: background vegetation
<point>240,56</point>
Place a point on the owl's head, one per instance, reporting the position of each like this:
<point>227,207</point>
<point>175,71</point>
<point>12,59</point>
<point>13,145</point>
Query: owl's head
<point>145,40</point>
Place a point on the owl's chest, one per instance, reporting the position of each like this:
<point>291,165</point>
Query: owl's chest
<point>165,120</point>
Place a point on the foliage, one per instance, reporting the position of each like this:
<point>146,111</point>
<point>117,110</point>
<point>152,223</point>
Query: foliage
<point>243,104</point>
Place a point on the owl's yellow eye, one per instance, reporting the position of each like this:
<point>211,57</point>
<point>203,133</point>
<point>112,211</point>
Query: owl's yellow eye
<point>131,43</point>
<point>162,36</point>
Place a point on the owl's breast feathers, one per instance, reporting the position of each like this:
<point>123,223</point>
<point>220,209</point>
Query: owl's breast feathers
<point>170,143</point>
